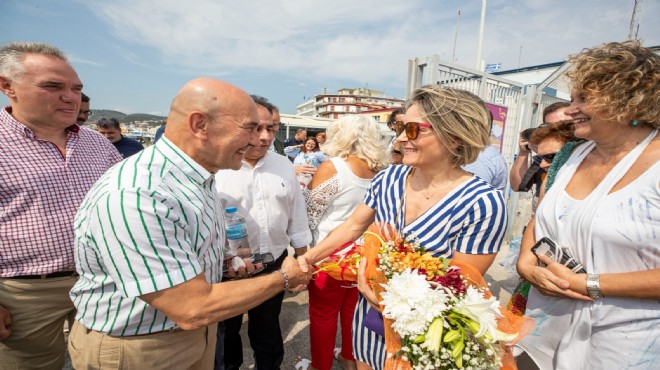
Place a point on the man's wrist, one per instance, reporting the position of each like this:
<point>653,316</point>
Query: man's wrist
<point>286,278</point>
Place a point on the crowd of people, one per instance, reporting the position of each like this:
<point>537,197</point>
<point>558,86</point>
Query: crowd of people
<point>126,243</point>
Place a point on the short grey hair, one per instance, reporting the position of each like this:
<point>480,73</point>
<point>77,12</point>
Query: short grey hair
<point>13,53</point>
<point>359,136</point>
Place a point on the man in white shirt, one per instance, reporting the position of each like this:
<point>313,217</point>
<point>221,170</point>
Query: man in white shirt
<point>267,194</point>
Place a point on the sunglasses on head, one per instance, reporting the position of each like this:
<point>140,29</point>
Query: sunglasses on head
<point>411,128</point>
<point>548,157</point>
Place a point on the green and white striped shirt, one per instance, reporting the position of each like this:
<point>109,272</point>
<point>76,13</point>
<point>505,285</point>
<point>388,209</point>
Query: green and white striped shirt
<point>150,223</point>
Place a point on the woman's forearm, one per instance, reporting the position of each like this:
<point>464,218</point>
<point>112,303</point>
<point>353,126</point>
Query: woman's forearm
<point>348,231</point>
<point>527,259</point>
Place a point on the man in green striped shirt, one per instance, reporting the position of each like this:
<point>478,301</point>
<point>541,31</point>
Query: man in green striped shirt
<point>149,242</point>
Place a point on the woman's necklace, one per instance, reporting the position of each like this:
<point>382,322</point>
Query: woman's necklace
<point>432,193</point>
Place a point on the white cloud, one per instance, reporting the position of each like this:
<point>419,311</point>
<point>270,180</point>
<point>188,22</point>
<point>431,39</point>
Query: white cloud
<point>75,59</point>
<point>366,41</point>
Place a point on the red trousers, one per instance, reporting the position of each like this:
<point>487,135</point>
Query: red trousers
<point>328,299</point>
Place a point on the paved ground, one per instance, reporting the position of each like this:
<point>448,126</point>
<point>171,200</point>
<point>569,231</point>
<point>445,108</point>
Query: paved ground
<point>295,322</point>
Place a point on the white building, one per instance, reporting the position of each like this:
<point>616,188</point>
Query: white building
<point>346,101</point>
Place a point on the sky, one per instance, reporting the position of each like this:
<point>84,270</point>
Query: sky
<point>134,55</point>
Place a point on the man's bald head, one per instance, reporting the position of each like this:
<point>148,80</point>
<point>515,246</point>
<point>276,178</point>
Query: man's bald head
<point>212,121</point>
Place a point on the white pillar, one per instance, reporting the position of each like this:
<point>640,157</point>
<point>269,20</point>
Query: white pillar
<point>481,34</point>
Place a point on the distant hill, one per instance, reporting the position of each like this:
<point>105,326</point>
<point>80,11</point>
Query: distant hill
<point>122,117</point>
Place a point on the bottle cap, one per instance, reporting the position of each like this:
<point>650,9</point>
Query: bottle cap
<point>231,209</point>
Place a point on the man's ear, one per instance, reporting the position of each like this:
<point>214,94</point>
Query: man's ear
<point>7,87</point>
<point>198,123</point>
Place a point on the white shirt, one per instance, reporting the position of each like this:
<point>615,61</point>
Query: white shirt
<point>608,233</point>
<point>268,195</point>
<point>333,201</point>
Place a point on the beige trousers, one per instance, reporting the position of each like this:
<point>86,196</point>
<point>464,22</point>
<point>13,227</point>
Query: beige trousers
<point>194,349</point>
<point>38,309</point>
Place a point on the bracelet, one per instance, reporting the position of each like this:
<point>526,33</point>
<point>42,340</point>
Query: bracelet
<point>286,278</point>
<point>593,286</point>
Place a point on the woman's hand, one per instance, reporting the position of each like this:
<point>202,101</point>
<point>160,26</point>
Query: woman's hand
<point>365,288</point>
<point>556,280</point>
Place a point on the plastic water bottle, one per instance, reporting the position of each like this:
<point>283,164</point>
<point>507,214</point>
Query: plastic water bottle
<point>237,236</point>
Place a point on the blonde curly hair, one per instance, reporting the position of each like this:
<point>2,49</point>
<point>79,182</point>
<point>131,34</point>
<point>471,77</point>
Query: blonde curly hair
<point>359,136</point>
<point>620,81</point>
<point>456,116</point>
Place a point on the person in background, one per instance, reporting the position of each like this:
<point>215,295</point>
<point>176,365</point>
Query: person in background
<point>520,169</point>
<point>150,238</point>
<point>109,127</point>
<point>297,139</point>
<point>160,131</point>
<point>266,192</point>
<point>490,166</point>
<point>445,128</point>
<point>603,209</point>
<point>320,137</point>
<point>357,152</point>
<point>306,154</point>
<point>549,139</point>
<point>395,123</point>
<point>48,164</point>
<point>84,111</point>
<point>277,146</point>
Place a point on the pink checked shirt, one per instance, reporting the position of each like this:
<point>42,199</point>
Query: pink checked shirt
<point>40,191</point>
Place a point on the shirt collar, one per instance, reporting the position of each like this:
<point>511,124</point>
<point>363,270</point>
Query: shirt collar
<point>182,161</point>
<point>259,163</point>
<point>12,124</point>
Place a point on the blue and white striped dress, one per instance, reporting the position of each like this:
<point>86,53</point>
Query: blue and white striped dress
<point>470,219</point>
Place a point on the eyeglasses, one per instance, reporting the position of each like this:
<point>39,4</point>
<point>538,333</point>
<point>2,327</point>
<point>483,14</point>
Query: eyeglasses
<point>548,157</point>
<point>411,128</point>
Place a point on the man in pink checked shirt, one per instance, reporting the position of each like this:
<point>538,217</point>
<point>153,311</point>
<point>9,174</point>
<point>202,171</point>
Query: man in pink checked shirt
<point>48,165</point>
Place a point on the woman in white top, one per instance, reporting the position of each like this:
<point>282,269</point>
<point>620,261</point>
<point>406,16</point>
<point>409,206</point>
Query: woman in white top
<point>357,151</point>
<point>604,207</point>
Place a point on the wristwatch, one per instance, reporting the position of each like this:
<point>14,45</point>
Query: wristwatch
<point>593,286</point>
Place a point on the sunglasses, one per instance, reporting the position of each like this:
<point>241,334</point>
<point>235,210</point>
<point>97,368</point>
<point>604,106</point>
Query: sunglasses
<point>548,157</point>
<point>411,128</point>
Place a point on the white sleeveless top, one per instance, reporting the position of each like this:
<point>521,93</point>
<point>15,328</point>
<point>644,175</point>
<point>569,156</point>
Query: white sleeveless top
<point>335,200</point>
<point>607,233</point>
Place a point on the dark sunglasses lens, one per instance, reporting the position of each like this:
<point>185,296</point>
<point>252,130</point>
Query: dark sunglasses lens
<point>412,130</point>
<point>549,157</point>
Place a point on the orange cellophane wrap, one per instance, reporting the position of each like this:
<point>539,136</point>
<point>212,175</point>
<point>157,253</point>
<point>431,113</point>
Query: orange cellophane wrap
<point>508,323</point>
<point>342,266</point>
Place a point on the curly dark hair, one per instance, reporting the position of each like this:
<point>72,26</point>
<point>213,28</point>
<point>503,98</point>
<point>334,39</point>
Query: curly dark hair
<point>561,131</point>
<point>620,80</point>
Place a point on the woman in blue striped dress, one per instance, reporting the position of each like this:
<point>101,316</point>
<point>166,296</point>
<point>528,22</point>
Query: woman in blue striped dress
<point>452,212</point>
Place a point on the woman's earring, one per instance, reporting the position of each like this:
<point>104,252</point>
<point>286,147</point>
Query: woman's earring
<point>634,123</point>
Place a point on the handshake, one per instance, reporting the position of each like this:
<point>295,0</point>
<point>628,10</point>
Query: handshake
<point>297,272</point>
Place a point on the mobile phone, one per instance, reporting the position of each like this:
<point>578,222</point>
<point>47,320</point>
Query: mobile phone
<point>264,258</point>
<point>548,248</point>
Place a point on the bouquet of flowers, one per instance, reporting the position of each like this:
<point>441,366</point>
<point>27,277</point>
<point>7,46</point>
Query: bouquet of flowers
<point>343,263</point>
<point>438,313</point>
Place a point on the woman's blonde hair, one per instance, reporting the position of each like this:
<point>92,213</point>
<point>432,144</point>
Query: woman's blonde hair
<point>459,118</point>
<point>359,136</point>
<point>620,81</point>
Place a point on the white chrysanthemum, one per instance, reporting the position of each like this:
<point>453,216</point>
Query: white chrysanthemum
<point>479,309</point>
<point>410,301</point>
